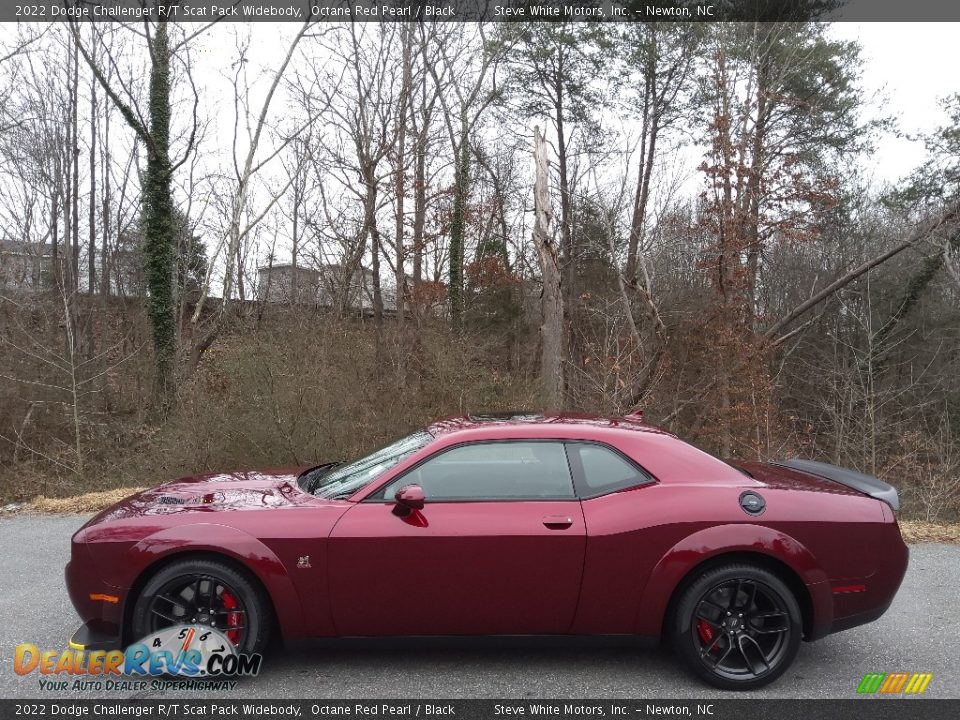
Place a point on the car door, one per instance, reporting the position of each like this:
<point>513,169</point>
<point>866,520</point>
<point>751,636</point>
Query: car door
<point>624,510</point>
<point>498,547</point>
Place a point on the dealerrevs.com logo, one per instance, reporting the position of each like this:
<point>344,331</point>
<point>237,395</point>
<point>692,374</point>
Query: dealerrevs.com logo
<point>898,683</point>
<point>181,651</point>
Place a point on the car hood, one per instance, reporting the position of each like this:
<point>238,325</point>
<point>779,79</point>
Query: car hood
<point>214,492</point>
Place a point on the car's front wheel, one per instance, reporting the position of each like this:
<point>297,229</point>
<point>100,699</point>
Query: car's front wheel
<point>737,626</point>
<point>205,593</point>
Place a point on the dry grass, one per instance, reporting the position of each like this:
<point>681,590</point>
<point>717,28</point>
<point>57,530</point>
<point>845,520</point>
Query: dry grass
<point>80,504</point>
<point>918,531</point>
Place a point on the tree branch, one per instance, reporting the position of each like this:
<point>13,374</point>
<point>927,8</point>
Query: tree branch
<point>922,232</point>
<point>128,114</point>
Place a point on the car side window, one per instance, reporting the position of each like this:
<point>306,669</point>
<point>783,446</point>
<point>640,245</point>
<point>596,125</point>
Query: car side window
<point>601,470</point>
<point>514,470</point>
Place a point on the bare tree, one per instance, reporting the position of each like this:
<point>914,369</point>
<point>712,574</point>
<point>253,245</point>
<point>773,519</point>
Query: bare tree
<point>240,221</point>
<point>466,90</point>
<point>153,129</point>
<point>359,96</point>
<point>551,328</point>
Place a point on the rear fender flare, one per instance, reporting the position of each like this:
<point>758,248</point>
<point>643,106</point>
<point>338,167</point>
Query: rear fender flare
<point>718,540</point>
<point>237,545</point>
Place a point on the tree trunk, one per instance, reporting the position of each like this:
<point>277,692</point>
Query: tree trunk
<point>568,251</point>
<point>458,227</point>
<point>92,246</point>
<point>66,254</point>
<point>419,203</point>
<point>241,289</point>
<point>92,219</point>
<point>377,294</point>
<point>551,328</point>
<point>295,250</point>
<point>55,222</point>
<point>75,183</point>
<point>371,231</point>
<point>753,183</point>
<point>159,230</point>
<point>400,275</point>
<point>650,131</point>
<point>105,242</point>
<point>419,208</point>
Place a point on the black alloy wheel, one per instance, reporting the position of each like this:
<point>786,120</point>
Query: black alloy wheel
<point>738,627</point>
<point>206,593</point>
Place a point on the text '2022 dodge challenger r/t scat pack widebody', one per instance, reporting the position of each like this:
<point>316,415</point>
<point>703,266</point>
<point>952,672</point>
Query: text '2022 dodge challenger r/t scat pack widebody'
<point>525,525</point>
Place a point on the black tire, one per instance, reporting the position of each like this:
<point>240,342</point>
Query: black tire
<point>738,627</point>
<point>255,606</point>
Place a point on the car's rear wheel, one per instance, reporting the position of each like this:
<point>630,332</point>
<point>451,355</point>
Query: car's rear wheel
<point>737,626</point>
<point>206,593</point>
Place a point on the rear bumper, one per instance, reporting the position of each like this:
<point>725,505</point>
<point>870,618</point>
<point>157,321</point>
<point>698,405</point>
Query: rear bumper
<point>851,621</point>
<point>851,609</point>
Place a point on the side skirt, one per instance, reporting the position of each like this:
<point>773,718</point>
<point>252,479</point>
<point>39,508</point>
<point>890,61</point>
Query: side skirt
<point>477,641</point>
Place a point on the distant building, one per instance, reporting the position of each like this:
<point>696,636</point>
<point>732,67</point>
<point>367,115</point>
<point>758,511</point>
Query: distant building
<point>312,286</point>
<point>25,265</point>
<point>288,284</point>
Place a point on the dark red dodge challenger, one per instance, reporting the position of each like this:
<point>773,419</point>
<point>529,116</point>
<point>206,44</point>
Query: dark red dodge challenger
<point>532,525</point>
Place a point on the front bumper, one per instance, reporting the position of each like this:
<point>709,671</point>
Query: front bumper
<point>100,607</point>
<point>90,636</point>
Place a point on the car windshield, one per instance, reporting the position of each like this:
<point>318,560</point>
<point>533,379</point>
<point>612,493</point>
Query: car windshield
<point>340,481</point>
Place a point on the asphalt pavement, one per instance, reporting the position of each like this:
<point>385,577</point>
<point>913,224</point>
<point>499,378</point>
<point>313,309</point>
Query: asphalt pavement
<point>920,633</point>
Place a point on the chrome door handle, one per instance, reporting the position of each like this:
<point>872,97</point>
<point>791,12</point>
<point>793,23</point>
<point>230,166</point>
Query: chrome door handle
<point>558,522</point>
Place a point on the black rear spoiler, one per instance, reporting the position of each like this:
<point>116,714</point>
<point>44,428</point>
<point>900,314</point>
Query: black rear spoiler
<point>867,484</point>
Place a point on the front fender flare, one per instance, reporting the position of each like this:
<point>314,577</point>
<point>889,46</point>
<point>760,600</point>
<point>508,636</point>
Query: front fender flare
<point>230,542</point>
<point>718,540</point>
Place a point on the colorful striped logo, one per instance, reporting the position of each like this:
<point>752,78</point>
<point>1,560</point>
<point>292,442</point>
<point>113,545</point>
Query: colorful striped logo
<point>894,683</point>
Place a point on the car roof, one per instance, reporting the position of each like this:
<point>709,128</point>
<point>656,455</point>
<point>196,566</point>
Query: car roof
<point>561,423</point>
<point>662,454</point>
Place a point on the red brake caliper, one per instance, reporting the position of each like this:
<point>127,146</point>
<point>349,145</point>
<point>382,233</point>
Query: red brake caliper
<point>233,619</point>
<point>705,631</point>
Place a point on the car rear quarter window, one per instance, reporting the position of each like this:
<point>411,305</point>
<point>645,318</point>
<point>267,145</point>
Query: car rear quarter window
<point>599,470</point>
<point>513,470</point>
